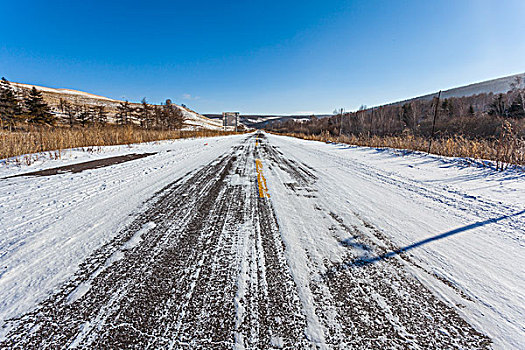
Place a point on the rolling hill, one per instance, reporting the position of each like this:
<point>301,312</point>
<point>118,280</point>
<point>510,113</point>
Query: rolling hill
<point>495,86</point>
<point>52,96</point>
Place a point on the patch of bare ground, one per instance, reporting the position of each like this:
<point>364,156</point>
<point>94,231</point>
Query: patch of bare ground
<point>79,167</point>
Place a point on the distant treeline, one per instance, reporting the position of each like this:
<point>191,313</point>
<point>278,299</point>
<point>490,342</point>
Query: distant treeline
<point>483,126</point>
<point>480,116</point>
<point>23,108</point>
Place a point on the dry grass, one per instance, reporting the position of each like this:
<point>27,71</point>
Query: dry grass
<point>508,150</point>
<point>53,140</point>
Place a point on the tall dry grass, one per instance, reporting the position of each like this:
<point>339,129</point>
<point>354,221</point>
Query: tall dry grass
<point>42,139</point>
<point>506,151</point>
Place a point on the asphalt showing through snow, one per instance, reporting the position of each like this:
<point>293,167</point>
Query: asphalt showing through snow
<point>79,167</point>
<point>205,267</point>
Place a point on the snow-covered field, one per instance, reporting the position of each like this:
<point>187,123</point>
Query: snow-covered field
<point>341,211</point>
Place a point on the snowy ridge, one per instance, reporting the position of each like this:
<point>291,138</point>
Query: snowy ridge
<point>494,86</point>
<point>196,120</point>
<point>52,96</point>
<point>62,91</point>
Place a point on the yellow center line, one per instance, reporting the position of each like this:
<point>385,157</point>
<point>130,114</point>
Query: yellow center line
<point>261,181</point>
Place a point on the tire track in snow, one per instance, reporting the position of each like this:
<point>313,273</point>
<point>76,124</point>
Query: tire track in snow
<point>480,207</point>
<point>209,265</point>
<point>376,305</point>
<point>172,278</point>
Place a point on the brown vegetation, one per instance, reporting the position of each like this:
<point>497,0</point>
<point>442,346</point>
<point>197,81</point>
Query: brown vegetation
<point>43,139</point>
<point>28,124</point>
<point>484,126</point>
<point>502,152</point>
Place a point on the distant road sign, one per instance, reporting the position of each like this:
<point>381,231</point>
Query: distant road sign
<point>230,119</point>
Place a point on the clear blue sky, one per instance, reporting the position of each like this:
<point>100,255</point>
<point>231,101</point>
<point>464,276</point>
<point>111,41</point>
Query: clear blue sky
<point>261,56</point>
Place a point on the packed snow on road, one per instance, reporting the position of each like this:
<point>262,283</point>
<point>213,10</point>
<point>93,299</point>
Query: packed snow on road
<point>260,241</point>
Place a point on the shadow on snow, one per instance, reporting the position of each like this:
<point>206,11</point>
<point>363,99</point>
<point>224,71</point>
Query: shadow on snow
<point>363,261</point>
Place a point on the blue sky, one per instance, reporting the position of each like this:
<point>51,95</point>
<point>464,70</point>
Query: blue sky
<point>261,56</point>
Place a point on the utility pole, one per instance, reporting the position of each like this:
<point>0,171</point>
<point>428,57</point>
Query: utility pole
<point>341,112</point>
<point>371,123</point>
<point>434,121</point>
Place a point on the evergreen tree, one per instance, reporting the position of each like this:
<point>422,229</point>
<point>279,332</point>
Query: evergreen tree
<point>9,107</point>
<point>471,110</point>
<point>37,110</point>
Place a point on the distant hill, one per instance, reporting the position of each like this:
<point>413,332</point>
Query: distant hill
<point>495,86</point>
<point>261,121</point>
<point>52,96</point>
<point>258,121</point>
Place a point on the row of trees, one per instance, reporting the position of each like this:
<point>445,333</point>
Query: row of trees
<point>475,116</point>
<point>165,116</point>
<point>32,108</point>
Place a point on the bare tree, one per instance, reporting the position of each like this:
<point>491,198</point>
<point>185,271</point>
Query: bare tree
<point>101,115</point>
<point>173,115</point>
<point>124,113</point>
<point>146,114</point>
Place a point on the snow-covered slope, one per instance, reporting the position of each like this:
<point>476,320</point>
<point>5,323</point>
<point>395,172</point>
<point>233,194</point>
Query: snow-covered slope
<point>52,96</point>
<point>81,94</point>
<point>195,120</point>
<point>495,86</point>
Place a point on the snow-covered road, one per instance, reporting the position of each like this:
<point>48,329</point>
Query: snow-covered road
<point>258,241</point>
